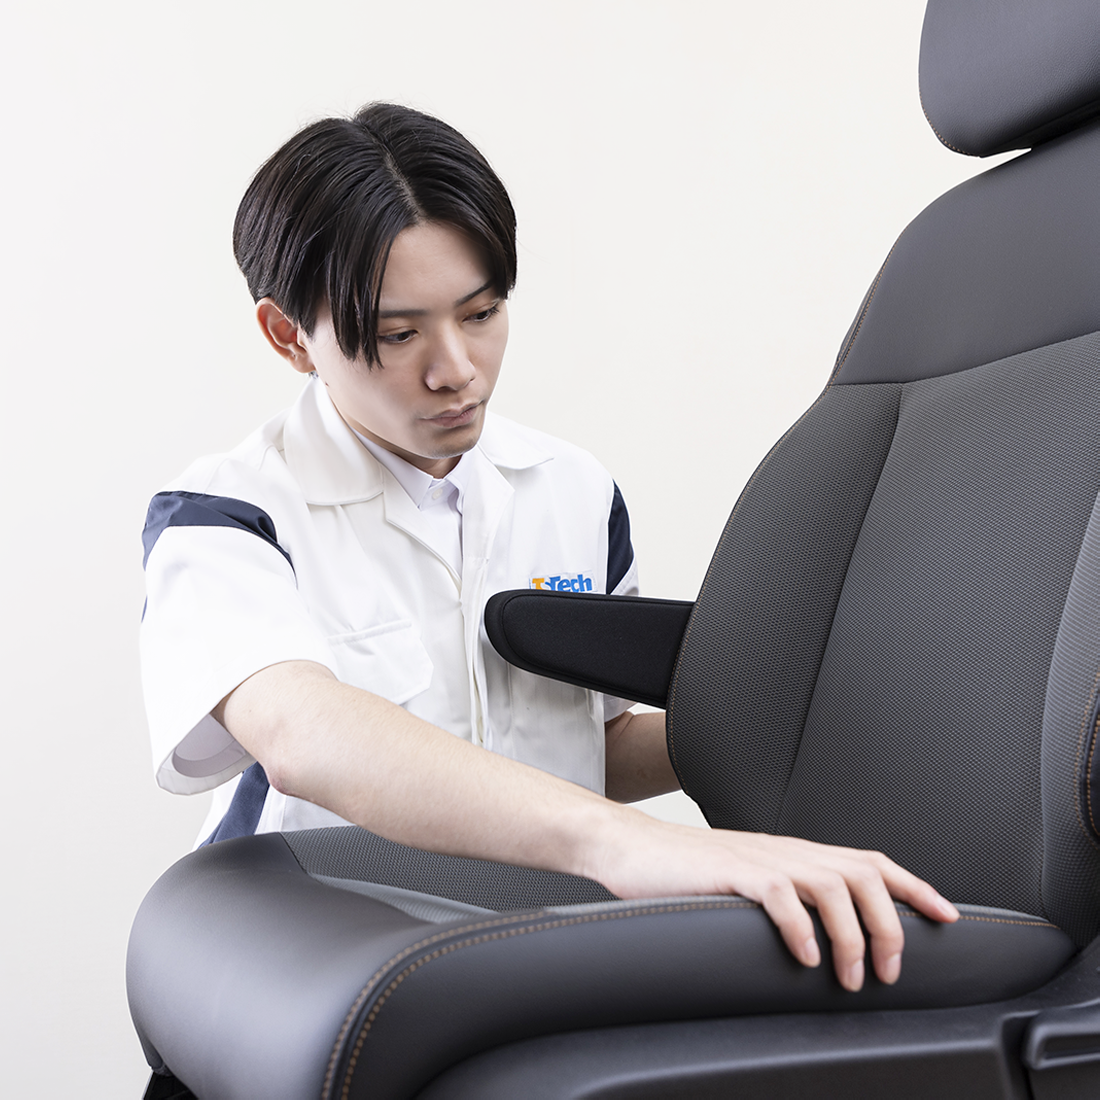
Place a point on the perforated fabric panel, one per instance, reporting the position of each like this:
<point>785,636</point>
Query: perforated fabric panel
<point>1071,798</point>
<point>749,658</point>
<point>353,853</point>
<point>923,738</point>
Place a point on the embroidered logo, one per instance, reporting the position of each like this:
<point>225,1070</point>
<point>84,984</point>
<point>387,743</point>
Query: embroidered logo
<point>571,582</point>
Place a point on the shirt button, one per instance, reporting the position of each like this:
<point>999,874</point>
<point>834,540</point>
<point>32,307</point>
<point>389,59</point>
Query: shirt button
<point>437,493</point>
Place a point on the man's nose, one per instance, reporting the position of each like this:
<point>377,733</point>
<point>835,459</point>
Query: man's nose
<point>450,366</point>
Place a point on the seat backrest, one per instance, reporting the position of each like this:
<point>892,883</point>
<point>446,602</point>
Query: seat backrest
<point>870,659</point>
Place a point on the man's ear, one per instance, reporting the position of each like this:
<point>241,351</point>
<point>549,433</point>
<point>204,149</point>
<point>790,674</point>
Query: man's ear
<point>283,335</point>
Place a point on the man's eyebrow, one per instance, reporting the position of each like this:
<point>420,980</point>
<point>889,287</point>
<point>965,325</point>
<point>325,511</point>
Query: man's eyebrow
<point>475,293</point>
<point>386,314</point>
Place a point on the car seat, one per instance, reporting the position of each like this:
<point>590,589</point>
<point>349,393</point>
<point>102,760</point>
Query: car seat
<point>896,646</point>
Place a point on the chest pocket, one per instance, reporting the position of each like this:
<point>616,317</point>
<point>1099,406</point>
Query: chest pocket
<point>389,660</point>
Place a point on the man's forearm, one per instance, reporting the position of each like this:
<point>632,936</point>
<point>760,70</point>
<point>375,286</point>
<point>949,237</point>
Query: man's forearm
<point>637,757</point>
<point>377,765</point>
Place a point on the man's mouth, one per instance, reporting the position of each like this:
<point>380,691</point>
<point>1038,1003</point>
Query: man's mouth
<point>455,418</point>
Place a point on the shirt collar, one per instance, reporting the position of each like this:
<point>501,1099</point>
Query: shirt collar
<point>419,484</point>
<point>332,467</point>
<point>505,444</point>
<point>326,460</point>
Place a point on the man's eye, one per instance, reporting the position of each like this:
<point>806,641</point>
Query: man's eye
<point>397,337</point>
<point>485,314</point>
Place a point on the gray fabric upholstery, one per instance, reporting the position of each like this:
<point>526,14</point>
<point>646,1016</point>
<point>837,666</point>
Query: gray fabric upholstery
<point>749,659</point>
<point>358,854</point>
<point>918,729</point>
<point>924,734</point>
<point>1008,74</point>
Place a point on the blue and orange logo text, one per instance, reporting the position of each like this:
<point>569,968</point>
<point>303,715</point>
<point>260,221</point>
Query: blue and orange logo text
<point>575,582</point>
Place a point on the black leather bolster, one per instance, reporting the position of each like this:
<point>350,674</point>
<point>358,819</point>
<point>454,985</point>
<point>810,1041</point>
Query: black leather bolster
<point>621,645</point>
<point>247,977</point>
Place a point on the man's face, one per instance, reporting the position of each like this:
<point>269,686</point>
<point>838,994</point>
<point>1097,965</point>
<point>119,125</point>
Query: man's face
<point>442,331</point>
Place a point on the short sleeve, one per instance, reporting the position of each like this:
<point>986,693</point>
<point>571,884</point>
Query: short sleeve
<point>222,603</point>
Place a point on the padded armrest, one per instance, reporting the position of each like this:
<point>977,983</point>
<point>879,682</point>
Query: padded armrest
<point>621,645</point>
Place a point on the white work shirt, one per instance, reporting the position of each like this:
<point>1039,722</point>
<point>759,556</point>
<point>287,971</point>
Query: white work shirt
<point>301,545</point>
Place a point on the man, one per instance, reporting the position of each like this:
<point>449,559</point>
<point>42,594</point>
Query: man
<point>315,597</point>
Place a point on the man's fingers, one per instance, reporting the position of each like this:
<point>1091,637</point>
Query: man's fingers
<point>874,881</point>
<point>830,893</point>
<point>851,893</point>
<point>876,908</point>
<point>871,882</point>
<point>892,882</point>
<point>902,885</point>
<point>923,897</point>
<point>777,894</point>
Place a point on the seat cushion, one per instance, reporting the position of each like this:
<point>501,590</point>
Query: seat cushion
<point>248,976</point>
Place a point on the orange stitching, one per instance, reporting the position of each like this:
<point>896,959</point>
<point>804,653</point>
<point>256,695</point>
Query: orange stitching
<point>942,139</point>
<point>349,1019</point>
<point>1077,761</point>
<point>1036,923</point>
<point>1088,773</point>
<point>864,310</point>
<point>721,542</point>
<point>473,942</point>
<point>1031,922</point>
<point>509,933</point>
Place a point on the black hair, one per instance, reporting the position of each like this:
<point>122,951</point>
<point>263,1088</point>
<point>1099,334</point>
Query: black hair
<point>318,219</point>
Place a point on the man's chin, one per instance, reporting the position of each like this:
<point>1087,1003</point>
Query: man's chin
<point>442,451</point>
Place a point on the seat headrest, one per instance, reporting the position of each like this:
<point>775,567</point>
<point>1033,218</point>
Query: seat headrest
<point>1009,74</point>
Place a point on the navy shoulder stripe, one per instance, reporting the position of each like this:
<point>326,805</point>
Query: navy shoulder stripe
<point>182,509</point>
<point>620,552</point>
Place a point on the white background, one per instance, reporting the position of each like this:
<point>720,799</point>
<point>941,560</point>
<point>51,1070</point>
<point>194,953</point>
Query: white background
<point>705,189</point>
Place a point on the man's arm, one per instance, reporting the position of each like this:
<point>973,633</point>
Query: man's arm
<point>375,764</point>
<point>637,763</point>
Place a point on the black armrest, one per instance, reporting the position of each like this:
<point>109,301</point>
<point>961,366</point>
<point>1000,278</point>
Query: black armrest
<point>622,645</point>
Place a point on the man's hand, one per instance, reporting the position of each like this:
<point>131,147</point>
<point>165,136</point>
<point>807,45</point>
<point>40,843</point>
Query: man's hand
<point>784,875</point>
